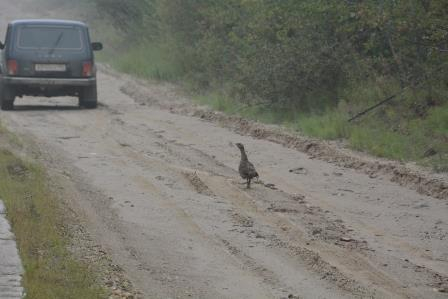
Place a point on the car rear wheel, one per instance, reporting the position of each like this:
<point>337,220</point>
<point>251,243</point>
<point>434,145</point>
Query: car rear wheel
<point>88,97</point>
<point>7,97</point>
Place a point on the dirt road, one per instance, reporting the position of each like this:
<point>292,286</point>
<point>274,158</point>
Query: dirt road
<point>161,193</point>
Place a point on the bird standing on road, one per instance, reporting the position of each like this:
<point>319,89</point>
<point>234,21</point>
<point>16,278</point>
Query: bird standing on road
<point>246,169</point>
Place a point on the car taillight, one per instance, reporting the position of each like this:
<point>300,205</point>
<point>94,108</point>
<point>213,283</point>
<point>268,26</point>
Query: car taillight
<point>87,69</point>
<point>13,67</point>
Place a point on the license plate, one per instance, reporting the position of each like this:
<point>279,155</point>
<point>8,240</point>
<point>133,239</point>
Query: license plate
<point>50,67</point>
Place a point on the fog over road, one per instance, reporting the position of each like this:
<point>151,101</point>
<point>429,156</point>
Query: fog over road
<point>161,193</point>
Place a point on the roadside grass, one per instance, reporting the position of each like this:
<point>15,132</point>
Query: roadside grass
<point>13,139</point>
<point>219,102</point>
<point>146,61</point>
<point>331,124</point>
<point>37,220</point>
<point>230,106</point>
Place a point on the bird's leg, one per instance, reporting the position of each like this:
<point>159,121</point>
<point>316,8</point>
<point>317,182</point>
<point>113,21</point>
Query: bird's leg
<point>248,183</point>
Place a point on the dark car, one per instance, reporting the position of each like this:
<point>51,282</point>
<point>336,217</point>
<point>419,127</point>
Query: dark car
<point>48,58</point>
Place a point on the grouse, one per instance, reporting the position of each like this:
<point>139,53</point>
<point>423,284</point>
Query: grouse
<point>246,169</point>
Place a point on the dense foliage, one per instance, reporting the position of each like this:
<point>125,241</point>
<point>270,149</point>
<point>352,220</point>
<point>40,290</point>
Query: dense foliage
<point>297,55</point>
<point>291,52</point>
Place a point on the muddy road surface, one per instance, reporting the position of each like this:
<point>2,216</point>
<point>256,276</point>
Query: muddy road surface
<point>161,193</point>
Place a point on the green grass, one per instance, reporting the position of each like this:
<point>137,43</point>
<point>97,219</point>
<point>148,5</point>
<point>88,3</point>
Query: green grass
<point>329,125</point>
<point>37,220</point>
<point>13,139</point>
<point>146,61</point>
<point>383,143</point>
<point>220,102</point>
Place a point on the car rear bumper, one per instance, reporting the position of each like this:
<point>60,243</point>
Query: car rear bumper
<point>43,82</point>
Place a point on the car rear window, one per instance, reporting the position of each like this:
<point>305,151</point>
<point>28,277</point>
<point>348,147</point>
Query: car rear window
<point>50,37</point>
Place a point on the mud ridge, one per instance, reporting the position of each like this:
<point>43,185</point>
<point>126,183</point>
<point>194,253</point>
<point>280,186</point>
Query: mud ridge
<point>198,184</point>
